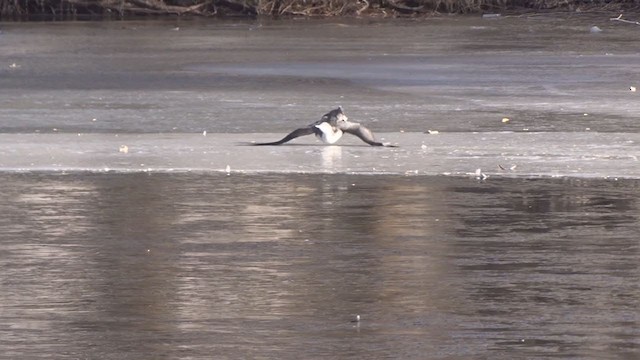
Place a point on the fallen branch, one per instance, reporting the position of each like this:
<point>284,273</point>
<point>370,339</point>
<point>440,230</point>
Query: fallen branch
<point>159,7</point>
<point>145,7</point>
<point>365,7</point>
<point>619,18</point>
<point>401,8</point>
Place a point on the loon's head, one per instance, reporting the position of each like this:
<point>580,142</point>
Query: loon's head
<point>335,116</point>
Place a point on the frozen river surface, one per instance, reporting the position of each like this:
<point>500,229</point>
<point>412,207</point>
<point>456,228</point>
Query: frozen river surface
<point>564,90</point>
<point>139,222</point>
<point>584,154</point>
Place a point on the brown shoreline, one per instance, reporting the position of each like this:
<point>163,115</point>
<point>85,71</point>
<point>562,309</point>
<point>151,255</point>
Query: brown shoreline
<point>125,9</point>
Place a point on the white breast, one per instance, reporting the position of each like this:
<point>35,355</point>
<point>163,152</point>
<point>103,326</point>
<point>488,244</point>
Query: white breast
<point>329,134</point>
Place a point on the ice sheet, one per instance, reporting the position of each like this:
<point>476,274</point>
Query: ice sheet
<point>510,154</point>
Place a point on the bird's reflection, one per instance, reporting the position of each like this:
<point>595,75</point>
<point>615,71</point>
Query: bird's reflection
<point>331,157</point>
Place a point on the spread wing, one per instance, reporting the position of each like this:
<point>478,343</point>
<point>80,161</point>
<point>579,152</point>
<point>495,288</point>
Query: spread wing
<point>362,132</point>
<point>294,134</point>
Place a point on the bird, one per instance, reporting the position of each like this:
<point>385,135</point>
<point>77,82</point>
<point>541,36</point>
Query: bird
<point>330,129</point>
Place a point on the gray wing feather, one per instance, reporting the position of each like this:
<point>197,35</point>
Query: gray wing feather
<point>360,131</point>
<point>292,135</point>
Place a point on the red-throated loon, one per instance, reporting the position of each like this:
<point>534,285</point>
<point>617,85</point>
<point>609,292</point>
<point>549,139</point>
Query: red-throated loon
<point>330,128</point>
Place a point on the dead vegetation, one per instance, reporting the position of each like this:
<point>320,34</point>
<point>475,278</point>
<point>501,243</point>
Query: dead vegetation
<point>276,8</point>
